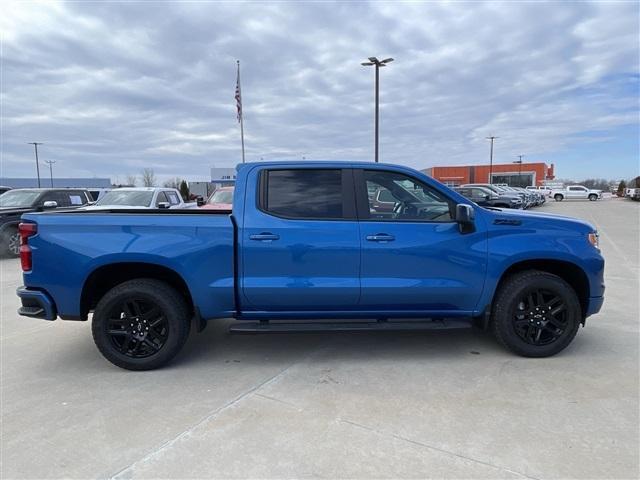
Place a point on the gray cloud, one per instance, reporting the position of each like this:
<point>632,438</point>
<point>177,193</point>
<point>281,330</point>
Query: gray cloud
<point>114,87</point>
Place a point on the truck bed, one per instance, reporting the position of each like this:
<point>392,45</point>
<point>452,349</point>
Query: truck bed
<point>197,244</point>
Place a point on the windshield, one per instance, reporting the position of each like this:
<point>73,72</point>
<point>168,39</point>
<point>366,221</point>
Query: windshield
<point>221,196</point>
<point>131,198</point>
<point>18,198</point>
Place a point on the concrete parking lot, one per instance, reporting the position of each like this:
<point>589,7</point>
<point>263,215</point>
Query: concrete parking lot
<point>367,405</point>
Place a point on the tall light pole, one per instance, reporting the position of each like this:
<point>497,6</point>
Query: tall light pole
<point>50,163</point>
<point>492,138</point>
<point>35,145</point>
<point>373,61</point>
<point>519,162</point>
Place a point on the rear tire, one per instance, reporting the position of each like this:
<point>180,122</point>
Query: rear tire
<point>557,197</point>
<point>11,242</point>
<point>536,314</point>
<point>140,324</point>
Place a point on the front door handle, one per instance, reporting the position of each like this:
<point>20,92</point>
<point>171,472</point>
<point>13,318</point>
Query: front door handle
<point>381,237</point>
<point>264,237</point>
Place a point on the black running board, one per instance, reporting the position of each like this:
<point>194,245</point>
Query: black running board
<point>324,327</point>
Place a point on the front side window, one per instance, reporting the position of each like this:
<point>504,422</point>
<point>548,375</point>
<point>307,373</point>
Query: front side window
<point>478,194</point>
<point>385,196</point>
<point>62,199</point>
<point>413,200</point>
<point>303,193</point>
<point>162,198</point>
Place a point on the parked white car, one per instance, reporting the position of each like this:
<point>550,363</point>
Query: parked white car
<point>575,192</point>
<point>142,197</point>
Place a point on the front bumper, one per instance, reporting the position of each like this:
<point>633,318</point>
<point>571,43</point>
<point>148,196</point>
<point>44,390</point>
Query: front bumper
<point>36,304</point>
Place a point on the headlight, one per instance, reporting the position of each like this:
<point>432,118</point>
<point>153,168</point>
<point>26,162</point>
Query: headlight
<point>594,240</point>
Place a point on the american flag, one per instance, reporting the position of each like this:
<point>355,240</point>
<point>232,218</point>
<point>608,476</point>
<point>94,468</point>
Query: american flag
<point>238,96</point>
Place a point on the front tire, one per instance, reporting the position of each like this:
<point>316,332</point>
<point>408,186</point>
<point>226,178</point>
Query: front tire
<point>557,197</point>
<point>140,324</point>
<point>536,314</point>
<point>593,197</point>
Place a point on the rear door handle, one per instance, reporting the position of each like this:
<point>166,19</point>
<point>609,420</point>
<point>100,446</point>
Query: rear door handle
<point>264,237</point>
<point>381,237</point>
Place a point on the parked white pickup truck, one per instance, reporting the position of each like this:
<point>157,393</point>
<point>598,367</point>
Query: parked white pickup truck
<point>142,197</point>
<point>575,192</point>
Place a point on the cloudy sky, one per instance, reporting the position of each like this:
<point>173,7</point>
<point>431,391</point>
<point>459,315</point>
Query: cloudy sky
<point>111,88</point>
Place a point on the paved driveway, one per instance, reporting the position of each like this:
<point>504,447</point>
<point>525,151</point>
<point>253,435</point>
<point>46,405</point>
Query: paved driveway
<point>403,405</point>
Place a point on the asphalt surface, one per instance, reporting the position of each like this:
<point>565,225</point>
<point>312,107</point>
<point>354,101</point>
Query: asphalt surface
<point>367,405</point>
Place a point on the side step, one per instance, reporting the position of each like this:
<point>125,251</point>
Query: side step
<point>248,327</point>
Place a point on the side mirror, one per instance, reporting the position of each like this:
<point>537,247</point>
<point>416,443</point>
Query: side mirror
<point>199,201</point>
<point>465,216</point>
<point>164,205</point>
<point>487,196</point>
<point>50,204</point>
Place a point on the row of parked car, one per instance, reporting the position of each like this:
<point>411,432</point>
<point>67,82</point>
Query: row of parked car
<point>502,195</point>
<point>14,203</point>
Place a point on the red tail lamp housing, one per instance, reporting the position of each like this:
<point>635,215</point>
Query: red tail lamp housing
<point>26,230</point>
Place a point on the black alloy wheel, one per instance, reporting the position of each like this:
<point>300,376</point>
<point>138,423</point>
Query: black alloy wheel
<point>540,317</point>
<point>140,324</point>
<point>535,313</point>
<point>137,328</point>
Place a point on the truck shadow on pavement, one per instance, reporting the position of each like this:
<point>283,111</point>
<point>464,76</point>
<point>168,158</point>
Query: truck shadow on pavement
<point>215,347</point>
<point>216,343</point>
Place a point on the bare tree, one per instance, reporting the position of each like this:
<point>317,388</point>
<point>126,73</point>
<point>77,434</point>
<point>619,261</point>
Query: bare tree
<point>172,183</point>
<point>132,180</point>
<point>148,178</point>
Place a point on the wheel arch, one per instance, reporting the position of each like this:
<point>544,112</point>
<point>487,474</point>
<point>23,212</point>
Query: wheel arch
<point>571,273</point>
<point>10,224</point>
<point>105,277</point>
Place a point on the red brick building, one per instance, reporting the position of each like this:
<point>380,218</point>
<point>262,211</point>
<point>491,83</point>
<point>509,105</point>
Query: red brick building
<point>514,174</point>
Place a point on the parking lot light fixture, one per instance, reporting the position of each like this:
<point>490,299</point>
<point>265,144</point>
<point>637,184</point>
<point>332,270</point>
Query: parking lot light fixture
<point>373,61</point>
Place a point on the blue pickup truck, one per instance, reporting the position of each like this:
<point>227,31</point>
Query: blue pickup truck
<point>305,248</point>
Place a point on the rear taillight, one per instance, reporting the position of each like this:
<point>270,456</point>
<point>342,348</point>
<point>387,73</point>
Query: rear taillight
<point>26,230</point>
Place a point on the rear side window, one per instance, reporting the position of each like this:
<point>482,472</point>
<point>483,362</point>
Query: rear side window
<point>173,197</point>
<point>76,198</point>
<point>303,193</point>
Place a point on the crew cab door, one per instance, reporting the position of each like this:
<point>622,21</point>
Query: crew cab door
<point>300,241</point>
<point>416,259</point>
<point>577,192</point>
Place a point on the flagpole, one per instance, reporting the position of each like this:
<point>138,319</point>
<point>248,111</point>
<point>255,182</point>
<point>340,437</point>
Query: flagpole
<point>241,115</point>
